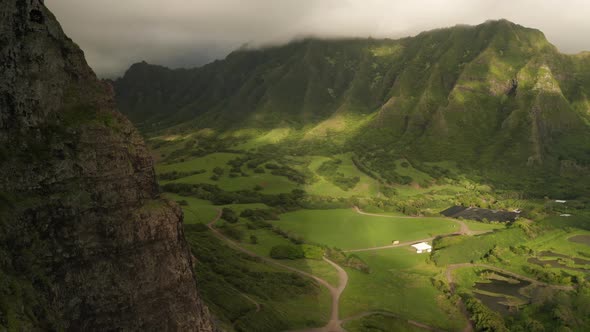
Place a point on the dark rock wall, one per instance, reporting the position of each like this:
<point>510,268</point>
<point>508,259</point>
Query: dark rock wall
<point>86,243</point>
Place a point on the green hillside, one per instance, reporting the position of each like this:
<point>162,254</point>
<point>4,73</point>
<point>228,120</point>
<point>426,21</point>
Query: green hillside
<point>497,100</point>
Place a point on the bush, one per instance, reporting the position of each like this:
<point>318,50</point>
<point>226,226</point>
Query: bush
<point>229,215</point>
<point>234,233</point>
<point>311,251</point>
<point>287,251</point>
<point>329,170</point>
<point>259,214</point>
<point>484,318</point>
<point>218,171</point>
<point>253,239</point>
<point>169,176</point>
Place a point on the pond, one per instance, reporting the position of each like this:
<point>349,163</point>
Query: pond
<point>578,261</point>
<point>555,263</point>
<point>552,254</point>
<point>494,303</point>
<point>583,239</point>
<point>502,287</point>
<point>500,291</point>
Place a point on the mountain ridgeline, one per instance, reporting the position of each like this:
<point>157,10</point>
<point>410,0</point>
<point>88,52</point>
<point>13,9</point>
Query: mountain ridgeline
<point>497,99</point>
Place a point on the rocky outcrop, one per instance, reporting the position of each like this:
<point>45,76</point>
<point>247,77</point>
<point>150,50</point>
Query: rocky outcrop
<point>86,243</point>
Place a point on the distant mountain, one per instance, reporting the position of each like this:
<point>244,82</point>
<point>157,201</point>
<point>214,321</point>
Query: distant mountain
<point>497,98</point>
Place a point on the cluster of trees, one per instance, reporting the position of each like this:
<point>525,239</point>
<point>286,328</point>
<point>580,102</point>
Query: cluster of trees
<point>194,148</point>
<point>554,310</point>
<point>288,172</point>
<point>549,276</point>
<point>329,170</point>
<point>260,214</point>
<point>224,273</point>
<point>229,215</point>
<point>232,232</point>
<point>287,251</point>
<point>484,318</point>
<point>383,164</point>
<point>297,251</point>
<point>284,202</point>
<point>169,176</point>
<point>352,261</point>
<point>217,173</point>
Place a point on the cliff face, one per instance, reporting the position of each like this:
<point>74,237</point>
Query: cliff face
<point>86,243</point>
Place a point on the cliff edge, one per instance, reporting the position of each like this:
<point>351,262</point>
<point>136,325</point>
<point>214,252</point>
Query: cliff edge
<point>86,243</point>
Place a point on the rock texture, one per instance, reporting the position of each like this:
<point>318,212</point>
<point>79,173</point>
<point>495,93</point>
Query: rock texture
<point>86,243</point>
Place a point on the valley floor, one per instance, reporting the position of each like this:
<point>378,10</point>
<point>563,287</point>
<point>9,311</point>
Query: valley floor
<point>312,243</point>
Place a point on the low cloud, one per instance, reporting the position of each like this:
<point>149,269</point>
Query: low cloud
<point>185,33</point>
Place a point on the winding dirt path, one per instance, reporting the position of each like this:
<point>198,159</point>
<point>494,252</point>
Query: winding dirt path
<point>463,230</point>
<point>334,324</point>
<point>401,244</point>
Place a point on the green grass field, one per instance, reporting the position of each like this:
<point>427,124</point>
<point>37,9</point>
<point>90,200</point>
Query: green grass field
<point>347,229</point>
<point>381,323</point>
<point>271,184</point>
<point>365,187</point>
<point>399,283</point>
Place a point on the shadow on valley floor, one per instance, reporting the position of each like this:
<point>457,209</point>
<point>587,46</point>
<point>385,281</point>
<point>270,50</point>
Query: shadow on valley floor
<point>248,292</point>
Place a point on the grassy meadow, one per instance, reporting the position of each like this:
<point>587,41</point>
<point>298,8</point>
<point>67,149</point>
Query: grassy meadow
<point>346,229</point>
<point>282,200</point>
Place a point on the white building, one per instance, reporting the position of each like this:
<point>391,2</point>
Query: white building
<point>422,247</point>
<point>560,201</point>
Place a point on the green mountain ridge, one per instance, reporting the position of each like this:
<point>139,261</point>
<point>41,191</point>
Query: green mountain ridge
<point>497,98</point>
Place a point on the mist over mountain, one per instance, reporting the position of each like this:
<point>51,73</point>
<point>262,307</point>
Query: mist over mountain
<point>204,30</point>
<point>498,97</point>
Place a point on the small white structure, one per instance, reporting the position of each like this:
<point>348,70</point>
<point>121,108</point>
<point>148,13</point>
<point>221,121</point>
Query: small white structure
<point>395,242</point>
<point>560,201</point>
<point>422,247</point>
<point>565,215</point>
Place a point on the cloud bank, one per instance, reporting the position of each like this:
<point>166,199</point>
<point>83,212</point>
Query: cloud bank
<point>186,33</point>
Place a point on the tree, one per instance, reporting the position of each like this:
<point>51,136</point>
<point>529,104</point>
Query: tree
<point>218,171</point>
<point>286,251</point>
<point>253,239</point>
<point>229,215</point>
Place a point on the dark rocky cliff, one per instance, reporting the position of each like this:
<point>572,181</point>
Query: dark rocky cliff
<point>86,243</point>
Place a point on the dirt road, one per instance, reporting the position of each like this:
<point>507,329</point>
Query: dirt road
<point>334,324</point>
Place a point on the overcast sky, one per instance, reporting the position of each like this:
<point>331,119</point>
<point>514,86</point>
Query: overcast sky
<point>186,33</point>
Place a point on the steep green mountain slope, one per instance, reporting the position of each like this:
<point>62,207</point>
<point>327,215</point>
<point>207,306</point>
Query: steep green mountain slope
<point>496,98</point>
